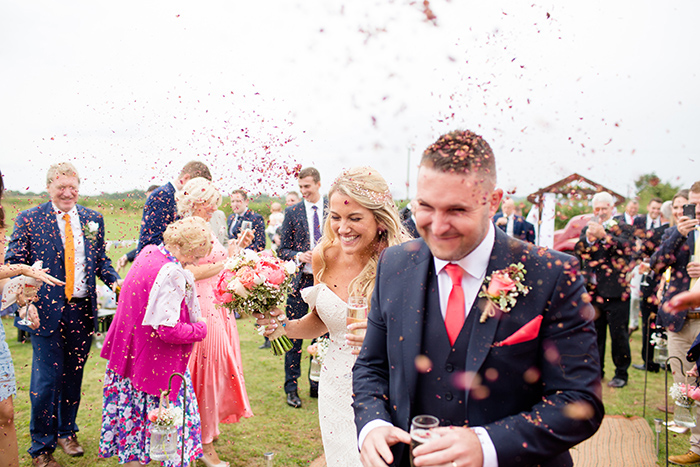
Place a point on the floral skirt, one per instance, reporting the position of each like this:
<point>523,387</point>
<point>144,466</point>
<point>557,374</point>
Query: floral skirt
<point>126,431</point>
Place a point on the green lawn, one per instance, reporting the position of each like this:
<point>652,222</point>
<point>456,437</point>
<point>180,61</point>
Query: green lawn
<point>292,434</point>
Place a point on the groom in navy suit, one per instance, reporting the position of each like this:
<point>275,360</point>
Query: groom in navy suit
<point>513,383</point>
<point>299,233</point>
<point>69,240</point>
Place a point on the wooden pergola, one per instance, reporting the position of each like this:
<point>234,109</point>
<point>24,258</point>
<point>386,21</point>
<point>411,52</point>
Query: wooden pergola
<point>574,184</point>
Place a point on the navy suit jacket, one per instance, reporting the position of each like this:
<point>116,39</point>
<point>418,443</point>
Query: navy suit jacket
<point>674,252</point>
<point>294,233</point>
<point>522,229</point>
<point>525,419</point>
<point>159,211</point>
<point>258,228</point>
<point>36,237</point>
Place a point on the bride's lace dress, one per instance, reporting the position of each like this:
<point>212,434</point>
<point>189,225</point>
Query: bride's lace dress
<point>335,386</point>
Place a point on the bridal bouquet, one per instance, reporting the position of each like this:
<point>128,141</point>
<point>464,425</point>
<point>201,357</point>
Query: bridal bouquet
<point>256,283</point>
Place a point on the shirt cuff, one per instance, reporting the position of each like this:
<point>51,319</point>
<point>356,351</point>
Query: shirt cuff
<point>487,448</point>
<point>369,427</point>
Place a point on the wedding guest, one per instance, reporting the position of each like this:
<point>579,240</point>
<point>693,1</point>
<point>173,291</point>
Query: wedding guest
<point>652,219</point>
<point>408,219</point>
<point>239,205</point>
<point>292,198</point>
<point>131,255</point>
<point>157,321</point>
<point>274,222</point>
<point>69,240</point>
<point>215,365</point>
<point>160,209</point>
<point>362,222</point>
<point>513,224</point>
<point>604,249</point>
<point>680,250</point>
<point>427,330</point>
<point>631,210</point>
<point>300,233</point>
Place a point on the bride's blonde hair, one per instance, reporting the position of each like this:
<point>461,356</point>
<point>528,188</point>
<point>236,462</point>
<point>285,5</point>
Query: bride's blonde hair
<point>369,189</point>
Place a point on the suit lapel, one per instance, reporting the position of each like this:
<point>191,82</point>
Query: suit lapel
<point>413,314</point>
<point>305,243</point>
<point>52,232</point>
<point>482,334</point>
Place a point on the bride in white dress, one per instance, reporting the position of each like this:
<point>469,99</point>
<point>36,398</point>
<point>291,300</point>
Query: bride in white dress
<point>362,222</point>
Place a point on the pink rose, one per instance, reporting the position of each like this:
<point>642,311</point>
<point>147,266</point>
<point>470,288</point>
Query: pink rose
<point>221,293</point>
<point>247,277</point>
<point>272,272</point>
<point>153,415</point>
<point>500,283</point>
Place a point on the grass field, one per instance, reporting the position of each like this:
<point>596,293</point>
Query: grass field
<point>293,435</point>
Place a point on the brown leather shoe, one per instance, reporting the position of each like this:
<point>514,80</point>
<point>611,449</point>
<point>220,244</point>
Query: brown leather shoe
<point>71,446</point>
<point>689,458</point>
<point>45,460</point>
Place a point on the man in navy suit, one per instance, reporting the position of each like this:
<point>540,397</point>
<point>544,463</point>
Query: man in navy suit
<point>513,224</point>
<point>160,209</point>
<point>630,214</point>
<point>679,251</point>
<point>239,205</point>
<point>505,381</point>
<point>69,240</point>
<point>651,220</point>
<point>299,234</point>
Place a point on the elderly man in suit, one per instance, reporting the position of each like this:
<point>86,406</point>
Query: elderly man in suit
<point>160,208</point>
<point>300,232</point>
<point>513,224</point>
<point>241,213</point>
<point>512,384</point>
<point>680,251</point>
<point>605,248</point>
<point>69,240</point>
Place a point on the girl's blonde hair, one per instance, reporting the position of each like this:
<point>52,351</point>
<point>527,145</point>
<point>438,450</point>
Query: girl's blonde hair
<point>369,189</point>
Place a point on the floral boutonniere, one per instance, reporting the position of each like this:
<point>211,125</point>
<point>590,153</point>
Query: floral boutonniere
<point>90,230</point>
<point>502,289</point>
<point>609,224</point>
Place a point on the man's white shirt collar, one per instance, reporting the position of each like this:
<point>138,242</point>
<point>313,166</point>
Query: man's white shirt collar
<point>476,262</point>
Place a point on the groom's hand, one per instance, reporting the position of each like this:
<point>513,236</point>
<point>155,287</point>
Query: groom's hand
<point>375,448</point>
<point>455,447</point>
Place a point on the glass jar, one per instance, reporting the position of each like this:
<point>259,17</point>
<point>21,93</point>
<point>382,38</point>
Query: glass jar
<point>660,353</point>
<point>314,370</point>
<point>684,415</point>
<point>164,443</point>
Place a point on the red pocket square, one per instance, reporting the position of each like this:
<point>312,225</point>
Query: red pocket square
<point>526,333</point>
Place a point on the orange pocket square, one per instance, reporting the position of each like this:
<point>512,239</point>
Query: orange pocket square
<point>526,333</point>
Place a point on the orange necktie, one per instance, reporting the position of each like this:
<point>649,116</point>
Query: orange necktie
<point>454,316</point>
<point>70,258</point>
<point>696,255</point>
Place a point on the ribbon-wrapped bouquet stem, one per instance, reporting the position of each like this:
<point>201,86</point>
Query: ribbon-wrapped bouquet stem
<point>256,283</point>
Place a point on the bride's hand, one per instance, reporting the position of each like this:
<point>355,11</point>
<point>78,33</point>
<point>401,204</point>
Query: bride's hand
<point>269,323</point>
<point>355,341</point>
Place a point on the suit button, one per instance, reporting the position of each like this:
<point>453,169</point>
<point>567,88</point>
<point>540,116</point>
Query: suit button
<point>449,368</point>
<point>448,396</point>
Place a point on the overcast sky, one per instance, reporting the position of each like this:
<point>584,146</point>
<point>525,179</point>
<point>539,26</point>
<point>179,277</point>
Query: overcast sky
<point>131,90</point>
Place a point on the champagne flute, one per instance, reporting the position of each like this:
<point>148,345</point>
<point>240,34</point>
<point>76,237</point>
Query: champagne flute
<point>357,313</point>
<point>420,431</point>
<point>30,294</point>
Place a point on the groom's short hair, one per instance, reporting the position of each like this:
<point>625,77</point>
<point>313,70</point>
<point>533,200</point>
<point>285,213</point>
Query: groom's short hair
<point>461,151</point>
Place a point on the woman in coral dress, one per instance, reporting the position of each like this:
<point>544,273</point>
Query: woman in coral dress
<point>215,363</point>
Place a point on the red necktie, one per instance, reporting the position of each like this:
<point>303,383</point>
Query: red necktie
<point>454,317</point>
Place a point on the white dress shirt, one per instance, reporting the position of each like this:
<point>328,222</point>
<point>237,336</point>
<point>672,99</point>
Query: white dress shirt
<point>80,289</point>
<point>310,220</point>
